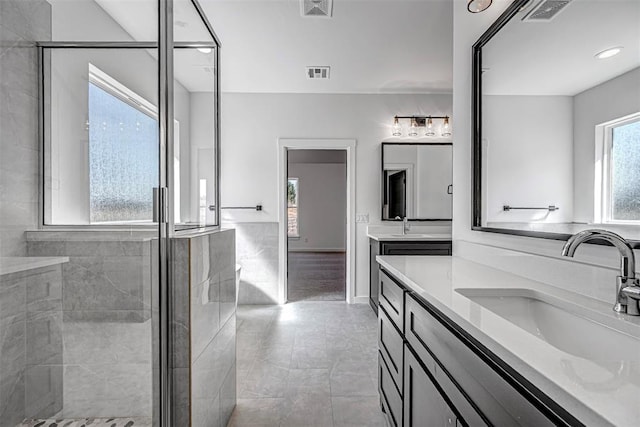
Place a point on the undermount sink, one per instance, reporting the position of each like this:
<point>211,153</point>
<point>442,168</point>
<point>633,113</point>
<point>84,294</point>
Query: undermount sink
<point>565,326</point>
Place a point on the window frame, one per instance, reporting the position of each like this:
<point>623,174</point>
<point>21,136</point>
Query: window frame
<point>603,195</point>
<point>297,206</point>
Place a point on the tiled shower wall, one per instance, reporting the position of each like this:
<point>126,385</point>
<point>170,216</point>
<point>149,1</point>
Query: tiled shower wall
<point>106,320</point>
<point>257,252</point>
<point>204,328</point>
<point>22,22</point>
<point>30,344</point>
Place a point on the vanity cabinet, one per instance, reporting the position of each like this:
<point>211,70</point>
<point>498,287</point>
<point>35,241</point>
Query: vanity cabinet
<point>424,403</point>
<point>438,247</point>
<point>442,376</point>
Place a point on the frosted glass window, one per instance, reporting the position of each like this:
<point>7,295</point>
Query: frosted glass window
<point>123,159</point>
<point>625,172</point>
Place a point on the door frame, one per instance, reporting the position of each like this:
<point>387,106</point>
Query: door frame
<point>349,145</point>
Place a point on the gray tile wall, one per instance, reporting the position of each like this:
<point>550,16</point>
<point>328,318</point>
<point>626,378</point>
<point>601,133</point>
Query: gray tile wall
<point>257,253</point>
<point>204,327</point>
<point>106,321</point>
<point>21,23</point>
<point>30,345</point>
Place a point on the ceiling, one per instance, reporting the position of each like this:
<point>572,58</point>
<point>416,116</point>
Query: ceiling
<point>557,57</point>
<point>379,46</point>
<point>385,46</point>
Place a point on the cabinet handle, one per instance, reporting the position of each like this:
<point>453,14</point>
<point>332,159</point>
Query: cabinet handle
<point>450,189</point>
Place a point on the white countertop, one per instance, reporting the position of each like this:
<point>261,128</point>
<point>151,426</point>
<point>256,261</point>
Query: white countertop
<point>415,237</point>
<point>595,394</point>
<point>10,265</point>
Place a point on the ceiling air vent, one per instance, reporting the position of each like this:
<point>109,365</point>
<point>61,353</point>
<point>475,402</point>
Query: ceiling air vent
<point>316,8</point>
<point>320,73</point>
<point>546,10</point>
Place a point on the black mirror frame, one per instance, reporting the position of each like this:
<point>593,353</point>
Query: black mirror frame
<point>382,218</point>
<point>476,201</point>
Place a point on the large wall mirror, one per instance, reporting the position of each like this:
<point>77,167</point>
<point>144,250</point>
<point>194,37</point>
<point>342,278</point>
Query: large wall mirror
<point>417,181</point>
<point>557,119</point>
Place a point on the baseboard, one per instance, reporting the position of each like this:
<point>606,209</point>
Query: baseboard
<point>340,250</point>
<point>361,300</point>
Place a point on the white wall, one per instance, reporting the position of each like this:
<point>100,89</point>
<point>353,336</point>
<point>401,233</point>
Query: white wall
<point>202,156</point>
<point>528,155</point>
<point>322,206</point>
<point>467,29</point>
<point>613,99</point>
<point>252,124</point>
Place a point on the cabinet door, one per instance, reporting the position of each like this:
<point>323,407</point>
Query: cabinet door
<point>433,181</point>
<point>424,406</point>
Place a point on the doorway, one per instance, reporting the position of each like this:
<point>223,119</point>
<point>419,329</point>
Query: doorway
<point>319,260</point>
<point>316,224</point>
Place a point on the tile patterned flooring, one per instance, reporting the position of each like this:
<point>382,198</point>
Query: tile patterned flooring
<point>307,364</point>
<point>317,276</point>
<point>89,422</point>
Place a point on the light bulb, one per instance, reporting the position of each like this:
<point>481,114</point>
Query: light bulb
<point>475,6</point>
<point>397,130</point>
<point>414,128</point>
<point>446,129</point>
<point>430,131</point>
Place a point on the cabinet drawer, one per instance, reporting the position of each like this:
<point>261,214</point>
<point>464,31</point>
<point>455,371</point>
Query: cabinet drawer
<point>458,368</point>
<point>416,248</point>
<point>391,298</point>
<point>389,394</point>
<point>391,345</point>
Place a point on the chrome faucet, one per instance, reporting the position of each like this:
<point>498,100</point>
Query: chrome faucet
<point>405,226</point>
<point>627,285</point>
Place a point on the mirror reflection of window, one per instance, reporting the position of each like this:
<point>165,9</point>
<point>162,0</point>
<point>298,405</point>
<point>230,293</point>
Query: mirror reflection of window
<point>622,145</point>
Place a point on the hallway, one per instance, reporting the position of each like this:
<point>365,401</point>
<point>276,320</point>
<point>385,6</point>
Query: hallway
<point>307,364</point>
<point>316,276</point>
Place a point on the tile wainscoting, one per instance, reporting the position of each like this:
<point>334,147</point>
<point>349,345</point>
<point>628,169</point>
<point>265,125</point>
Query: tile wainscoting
<point>203,363</point>
<point>257,253</point>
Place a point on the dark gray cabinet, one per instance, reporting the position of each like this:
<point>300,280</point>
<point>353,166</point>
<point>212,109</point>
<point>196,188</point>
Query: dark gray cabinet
<point>440,376</point>
<point>440,247</point>
<point>424,405</point>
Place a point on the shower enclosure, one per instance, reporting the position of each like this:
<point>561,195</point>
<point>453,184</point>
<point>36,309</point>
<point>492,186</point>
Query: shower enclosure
<point>126,103</point>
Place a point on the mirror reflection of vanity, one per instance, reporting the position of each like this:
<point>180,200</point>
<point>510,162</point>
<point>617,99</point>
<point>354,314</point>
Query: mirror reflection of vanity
<point>557,120</point>
<point>417,181</point>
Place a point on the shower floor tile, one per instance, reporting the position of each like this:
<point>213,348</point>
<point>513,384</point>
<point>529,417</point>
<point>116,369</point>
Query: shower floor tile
<point>88,422</point>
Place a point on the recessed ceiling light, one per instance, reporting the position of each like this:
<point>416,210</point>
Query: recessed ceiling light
<point>608,53</point>
<point>204,49</point>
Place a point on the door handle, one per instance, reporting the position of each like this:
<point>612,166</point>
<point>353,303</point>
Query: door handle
<point>450,189</point>
<point>160,208</point>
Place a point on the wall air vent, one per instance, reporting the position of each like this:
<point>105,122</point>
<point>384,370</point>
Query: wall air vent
<point>316,8</point>
<point>546,10</point>
<point>319,73</point>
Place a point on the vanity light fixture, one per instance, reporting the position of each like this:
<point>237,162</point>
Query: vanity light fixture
<point>422,122</point>
<point>608,53</point>
<point>397,130</point>
<point>413,131</point>
<point>476,6</point>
